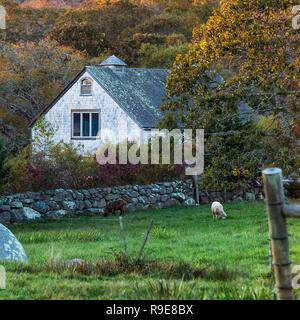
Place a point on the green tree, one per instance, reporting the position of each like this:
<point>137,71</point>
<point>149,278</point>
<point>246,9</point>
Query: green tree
<point>258,51</point>
<point>3,170</point>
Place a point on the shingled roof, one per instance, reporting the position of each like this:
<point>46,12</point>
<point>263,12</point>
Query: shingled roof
<point>138,92</point>
<point>113,61</point>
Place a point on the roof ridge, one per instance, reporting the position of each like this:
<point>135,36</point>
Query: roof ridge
<point>113,61</point>
<point>165,69</point>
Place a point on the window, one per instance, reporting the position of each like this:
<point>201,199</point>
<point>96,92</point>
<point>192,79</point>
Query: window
<point>85,124</point>
<point>86,87</point>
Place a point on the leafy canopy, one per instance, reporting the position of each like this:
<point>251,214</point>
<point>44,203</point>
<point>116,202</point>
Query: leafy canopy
<point>257,51</point>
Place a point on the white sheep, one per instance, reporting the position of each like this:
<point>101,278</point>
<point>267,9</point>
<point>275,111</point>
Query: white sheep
<point>217,210</point>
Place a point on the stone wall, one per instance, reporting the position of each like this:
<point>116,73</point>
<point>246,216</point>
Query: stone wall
<point>55,204</point>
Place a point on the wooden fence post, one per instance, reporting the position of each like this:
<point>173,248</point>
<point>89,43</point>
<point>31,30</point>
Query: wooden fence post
<point>144,242</point>
<point>278,233</point>
<point>196,188</point>
<point>123,236</point>
<point>270,255</point>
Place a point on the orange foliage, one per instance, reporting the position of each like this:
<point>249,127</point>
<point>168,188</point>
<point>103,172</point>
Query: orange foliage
<point>296,129</point>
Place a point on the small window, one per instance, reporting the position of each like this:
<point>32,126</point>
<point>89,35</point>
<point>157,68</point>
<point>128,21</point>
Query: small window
<point>86,87</point>
<point>119,68</point>
<point>85,124</point>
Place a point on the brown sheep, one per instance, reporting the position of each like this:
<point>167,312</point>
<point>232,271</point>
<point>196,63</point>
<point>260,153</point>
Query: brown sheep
<point>113,206</point>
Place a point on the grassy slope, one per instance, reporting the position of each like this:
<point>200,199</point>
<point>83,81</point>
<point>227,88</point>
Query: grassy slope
<point>234,253</point>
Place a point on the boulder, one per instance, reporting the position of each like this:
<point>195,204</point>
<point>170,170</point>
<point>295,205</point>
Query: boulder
<point>237,199</point>
<point>78,195</point>
<point>10,248</point>
<point>69,195</point>
<point>164,198</point>
<point>134,200</point>
<point>86,193</point>
<point>143,200</point>
<point>260,197</point>
<point>249,196</point>
<point>87,204</point>
<point>112,196</point>
<point>127,198</point>
<point>153,199</point>
<point>27,201</point>
<point>30,213</point>
<point>143,192</point>
<point>79,213</point>
<point>189,202</point>
<point>61,213</point>
<point>133,194</point>
<point>17,216</point>
<point>56,214</point>
<point>169,190</point>
<point>95,204</point>
<point>80,204</point>
<point>114,190</point>
<point>69,205</point>
<point>4,207</point>
<point>59,195</point>
<point>5,217</point>
<point>178,196</point>
<point>53,205</point>
<point>40,206</point>
<point>16,204</point>
<point>162,190</point>
<point>102,203</point>
<point>168,184</point>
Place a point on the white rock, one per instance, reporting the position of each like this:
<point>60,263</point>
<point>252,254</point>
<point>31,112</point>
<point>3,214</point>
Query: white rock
<point>31,214</point>
<point>10,248</point>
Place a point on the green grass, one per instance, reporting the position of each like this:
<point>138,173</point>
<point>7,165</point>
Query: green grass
<point>188,256</point>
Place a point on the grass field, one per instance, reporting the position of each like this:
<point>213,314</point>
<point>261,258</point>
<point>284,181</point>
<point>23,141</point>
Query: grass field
<point>188,256</point>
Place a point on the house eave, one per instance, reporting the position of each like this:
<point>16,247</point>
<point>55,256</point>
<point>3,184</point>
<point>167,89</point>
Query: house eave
<point>54,101</point>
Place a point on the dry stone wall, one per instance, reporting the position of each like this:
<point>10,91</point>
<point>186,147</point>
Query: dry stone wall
<point>59,203</point>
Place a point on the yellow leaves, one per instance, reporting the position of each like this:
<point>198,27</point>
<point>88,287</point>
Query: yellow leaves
<point>238,172</point>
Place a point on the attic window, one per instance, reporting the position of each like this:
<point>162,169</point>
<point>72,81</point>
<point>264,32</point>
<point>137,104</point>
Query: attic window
<point>86,87</point>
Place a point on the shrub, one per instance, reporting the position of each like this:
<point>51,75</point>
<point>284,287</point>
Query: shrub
<point>293,189</point>
<point>19,179</point>
<point>45,165</point>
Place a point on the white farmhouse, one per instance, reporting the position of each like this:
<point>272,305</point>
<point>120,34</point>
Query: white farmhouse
<point>107,97</point>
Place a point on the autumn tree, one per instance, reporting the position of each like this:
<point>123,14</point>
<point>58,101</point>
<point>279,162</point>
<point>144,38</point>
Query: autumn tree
<point>256,49</point>
<point>31,76</point>
<point>3,171</point>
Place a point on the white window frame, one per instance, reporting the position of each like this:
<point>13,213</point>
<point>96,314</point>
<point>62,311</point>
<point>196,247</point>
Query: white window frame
<point>90,112</point>
<point>86,94</point>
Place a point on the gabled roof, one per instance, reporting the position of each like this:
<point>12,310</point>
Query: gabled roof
<point>53,102</point>
<point>113,61</point>
<point>138,92</point>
